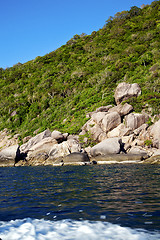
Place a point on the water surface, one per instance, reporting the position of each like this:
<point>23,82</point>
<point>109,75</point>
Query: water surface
<point>124,195</point>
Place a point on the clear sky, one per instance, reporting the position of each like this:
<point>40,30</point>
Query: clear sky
<point>31,28</point>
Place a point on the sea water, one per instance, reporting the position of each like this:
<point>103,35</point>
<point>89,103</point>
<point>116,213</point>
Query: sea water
<point>120,202</point>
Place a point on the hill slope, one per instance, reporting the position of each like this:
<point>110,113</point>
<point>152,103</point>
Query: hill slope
<point>56,90</point>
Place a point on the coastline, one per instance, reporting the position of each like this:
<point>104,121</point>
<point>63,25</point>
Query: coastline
<point>112,134</point>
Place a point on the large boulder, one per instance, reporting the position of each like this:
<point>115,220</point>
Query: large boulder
<point>122,109</point>
<point>96,132</point>
<point>93,126</point>
<point>100,109</point>
<point>9,156</point>
<point>135,120</point>
<point>44,146</point>
<point>65,148</point>
<point>139,151</point>
<point>98,117</point>
<point>117,158</point>
<point>119,131</point>
<point>110,121</point>
<point>76,158</point>
<point>34,140</point>
<point>37,159</point>
<point>143,128</point>
<point>58,136</point>
<point>125,90</point>
<point>154,131</point>
<point>108,146</point>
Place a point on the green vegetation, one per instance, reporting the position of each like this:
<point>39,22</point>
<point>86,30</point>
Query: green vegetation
<point>57,90</point>
<point>148,143</point>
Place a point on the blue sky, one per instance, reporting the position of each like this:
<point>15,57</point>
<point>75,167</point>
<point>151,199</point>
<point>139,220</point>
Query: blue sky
<point>31,28</point>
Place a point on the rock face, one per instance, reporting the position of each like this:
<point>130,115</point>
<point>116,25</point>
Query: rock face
<point>9,156</point>
<point>122,109</point>
<point>123,136</point>
<point>110,121</point>
<point>64,148</point>
<point>135,120</point>
<point>44,146</point>
<point>138,151</point>
<point>34,140</point>
<point>125,90</point>
<point>76,159</point>
<point>6,140</point>
<point>58,136</point>
<point>117,158</point>
<point>155,134</point>
<point>119,131</point>
<point>108,146</point>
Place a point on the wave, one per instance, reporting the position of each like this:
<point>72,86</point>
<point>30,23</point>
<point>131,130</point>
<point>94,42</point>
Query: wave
<point>35,229</point>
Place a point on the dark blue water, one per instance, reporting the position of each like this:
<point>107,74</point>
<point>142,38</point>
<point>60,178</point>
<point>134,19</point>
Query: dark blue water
<point>127,195</point>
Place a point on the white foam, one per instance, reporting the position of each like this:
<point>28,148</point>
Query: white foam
<point>34,229</point>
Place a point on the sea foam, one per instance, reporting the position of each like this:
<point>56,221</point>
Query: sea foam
<point>34,229</point>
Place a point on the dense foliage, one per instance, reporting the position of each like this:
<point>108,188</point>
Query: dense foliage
<point>56,90</point>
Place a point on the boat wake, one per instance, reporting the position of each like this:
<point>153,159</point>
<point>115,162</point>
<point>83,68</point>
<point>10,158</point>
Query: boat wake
<point>35,229</point>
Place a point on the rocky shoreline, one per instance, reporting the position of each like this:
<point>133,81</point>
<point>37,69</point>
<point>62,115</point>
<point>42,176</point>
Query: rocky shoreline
<point>120,136</point>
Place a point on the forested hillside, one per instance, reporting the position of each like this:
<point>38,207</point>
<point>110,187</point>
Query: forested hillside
<point>57,90</point>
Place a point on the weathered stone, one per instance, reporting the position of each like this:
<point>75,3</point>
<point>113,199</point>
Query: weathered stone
<point>88,125</point>
<point>110,121</point>
<point>103,108</point>
<point>127,146</point>
<point>139,151</point>
<point>65,136</point>
<point>93,126</point>
<point>6,140</point>
<point>26,139</point>
<point>44,146</point>
<point>108,146</point>
<point>34,140</point>
<point>75,158</point>
<point>144,135</point>
<point>128,139</point>
<point>137,142</point>
<point>154,131</point>
<point>97,117</point>
<point>54,162</point>
<point>119,131</point>
<point>73,145</point>
<point>11,152</point>
<point>73,137</point>
<point>9,156</point>
<point>83,132</point>
<point>65,148</point>
<point>117,158</point>
<point>59,150</point>
<point>122,109</point>
<point>125,90</point>
<point>142,127</point>
<point>102,137</point>
<point>156,153</point>
<point>100,109</point>
<point>88,151</point>
<point>57,136</point>
<point>126,131</point>
<point>135,120</point>
<point>153,160</point>
<point>37,159</point>
<point>7,162</point>
<point>95,132</point>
